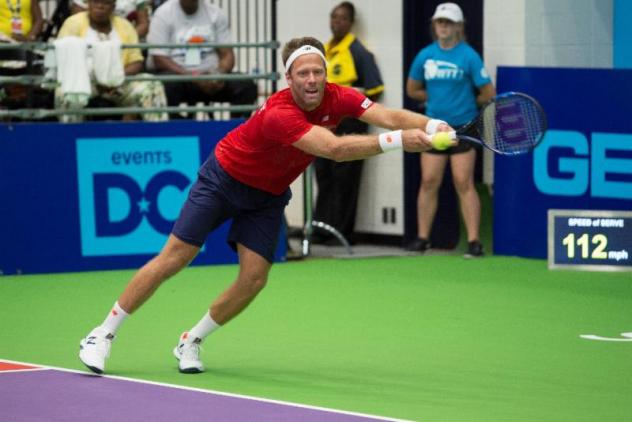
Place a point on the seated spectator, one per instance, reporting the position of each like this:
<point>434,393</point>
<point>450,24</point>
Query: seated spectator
<point>196,21</point>
<point>135,11</point>
<point>99,24</point>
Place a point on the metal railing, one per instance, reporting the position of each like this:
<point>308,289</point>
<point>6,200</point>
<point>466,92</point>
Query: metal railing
<point>252,22</point>
<point>51,82</point>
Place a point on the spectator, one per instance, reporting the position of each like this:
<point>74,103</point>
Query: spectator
<point>349,64</point>
<point>196,21</point>
<point>20,21</point>
<point>135,11</point>
<point>444,76</point>
<point>99,24</point>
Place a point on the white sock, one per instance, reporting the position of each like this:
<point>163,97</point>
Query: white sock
<point>115,318</point>
<point>203,328</point>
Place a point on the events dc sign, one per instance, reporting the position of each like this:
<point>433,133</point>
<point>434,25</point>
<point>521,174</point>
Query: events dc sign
<point>98,196</point>
<point>131,191</point>
<point>583,163</point>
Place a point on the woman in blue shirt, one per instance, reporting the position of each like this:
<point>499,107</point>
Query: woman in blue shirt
<point>446,76</point>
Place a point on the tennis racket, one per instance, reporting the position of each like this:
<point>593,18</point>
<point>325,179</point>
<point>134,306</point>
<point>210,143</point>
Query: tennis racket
<point>511,123</point>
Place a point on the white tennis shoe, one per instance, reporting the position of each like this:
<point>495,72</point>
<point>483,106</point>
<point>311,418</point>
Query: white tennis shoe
<point>95,348</point>
<point>188,354</point>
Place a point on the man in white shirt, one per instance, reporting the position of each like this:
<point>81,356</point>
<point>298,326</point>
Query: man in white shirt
<point>196,21</point>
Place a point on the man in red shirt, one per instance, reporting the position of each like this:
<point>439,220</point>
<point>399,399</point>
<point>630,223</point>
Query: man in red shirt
<point>247,178</point>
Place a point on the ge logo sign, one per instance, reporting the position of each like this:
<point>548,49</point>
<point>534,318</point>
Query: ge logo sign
<point>566,164</point>
<point>131,191</point>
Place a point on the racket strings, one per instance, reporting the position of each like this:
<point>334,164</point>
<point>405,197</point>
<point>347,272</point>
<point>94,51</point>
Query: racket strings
<point>512,125</point>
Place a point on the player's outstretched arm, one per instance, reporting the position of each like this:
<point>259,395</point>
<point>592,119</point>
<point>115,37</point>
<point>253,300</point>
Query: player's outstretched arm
<point>321,142</point>
<point>390,118</point>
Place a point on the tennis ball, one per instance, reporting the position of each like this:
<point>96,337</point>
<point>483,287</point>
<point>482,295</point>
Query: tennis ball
<point>441,141</point>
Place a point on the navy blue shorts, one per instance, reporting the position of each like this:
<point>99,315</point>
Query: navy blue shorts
<point>215,197</point>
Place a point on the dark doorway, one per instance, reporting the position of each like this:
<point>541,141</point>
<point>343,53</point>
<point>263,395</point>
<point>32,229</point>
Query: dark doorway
<point>416,35</point>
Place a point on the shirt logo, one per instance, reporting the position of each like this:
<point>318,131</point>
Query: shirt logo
<point>439,69</point>
<point>324,119</point>
<point>366,103</point>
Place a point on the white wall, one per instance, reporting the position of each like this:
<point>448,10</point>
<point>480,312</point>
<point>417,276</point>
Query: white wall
<point>378,26</point>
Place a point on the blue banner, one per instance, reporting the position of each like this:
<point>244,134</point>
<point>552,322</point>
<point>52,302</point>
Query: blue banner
<point>584,161</point>
<point>100,195</point>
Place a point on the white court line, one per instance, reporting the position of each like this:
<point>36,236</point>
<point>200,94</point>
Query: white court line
<point>11,371</point>
<point>219,393</point>
<point>626,337</point>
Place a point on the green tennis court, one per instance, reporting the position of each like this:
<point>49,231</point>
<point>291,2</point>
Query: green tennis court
<point>422,338</point>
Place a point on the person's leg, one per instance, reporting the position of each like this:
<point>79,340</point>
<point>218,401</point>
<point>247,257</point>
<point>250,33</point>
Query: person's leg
<point>204,210</point>
<point>432,170</point>
<point>175,255</point>
<point>252,278</point>
<point>146,94</point>
<point>325,200</point>
<point>254,234</point>
<point>178,93</point>
<point>462,166</point>
<point>345,196</point>
<point>62,102</point>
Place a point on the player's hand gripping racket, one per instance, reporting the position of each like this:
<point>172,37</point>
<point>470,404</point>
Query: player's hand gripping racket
<point>511,123</point>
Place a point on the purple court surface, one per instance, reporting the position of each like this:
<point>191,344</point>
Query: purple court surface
<point>33,393</point>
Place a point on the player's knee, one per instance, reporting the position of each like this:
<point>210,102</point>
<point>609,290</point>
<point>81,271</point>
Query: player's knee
<point>254,283</point>
<point>171,263</point>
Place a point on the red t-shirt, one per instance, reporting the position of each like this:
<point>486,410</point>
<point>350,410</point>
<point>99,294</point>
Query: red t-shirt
<point>259,153</point>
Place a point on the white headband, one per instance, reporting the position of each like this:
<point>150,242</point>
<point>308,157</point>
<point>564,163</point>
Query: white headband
<point>306,49</point>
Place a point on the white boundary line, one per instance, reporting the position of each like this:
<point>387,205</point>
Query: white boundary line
<point>13,371</point>
<point>200,390</point>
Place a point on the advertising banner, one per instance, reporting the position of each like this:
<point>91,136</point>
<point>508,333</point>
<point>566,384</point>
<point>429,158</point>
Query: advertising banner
<point>583,163</point>
<point>97,196</point>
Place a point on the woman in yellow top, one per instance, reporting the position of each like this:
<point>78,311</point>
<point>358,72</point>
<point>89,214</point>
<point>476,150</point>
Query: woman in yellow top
<point>99,23</point>
<point>349,63</point>
<point>21,19</point>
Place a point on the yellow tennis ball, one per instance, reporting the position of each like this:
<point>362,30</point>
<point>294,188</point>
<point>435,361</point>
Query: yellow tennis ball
<point>441,141</point>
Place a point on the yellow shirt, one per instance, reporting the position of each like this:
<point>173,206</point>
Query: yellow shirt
<point>349,63</point>
<point>77,25</point>
<point>5,15</point>
<point>340,66</point>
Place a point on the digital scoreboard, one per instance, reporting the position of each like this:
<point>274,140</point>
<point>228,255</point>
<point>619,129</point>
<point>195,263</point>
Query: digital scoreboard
<point>590,240</point>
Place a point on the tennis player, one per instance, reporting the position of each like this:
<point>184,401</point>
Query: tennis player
<point>247,178</point>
